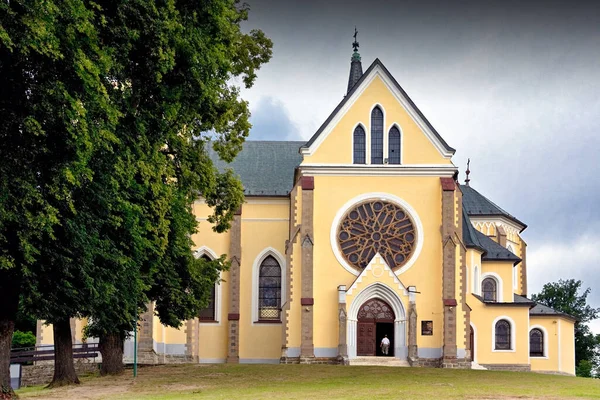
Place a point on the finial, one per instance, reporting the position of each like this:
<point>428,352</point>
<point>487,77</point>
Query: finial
<point>468,171</point>
<point>355,44</point>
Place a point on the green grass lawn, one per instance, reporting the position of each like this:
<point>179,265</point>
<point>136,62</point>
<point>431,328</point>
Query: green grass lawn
<point>320,382</point>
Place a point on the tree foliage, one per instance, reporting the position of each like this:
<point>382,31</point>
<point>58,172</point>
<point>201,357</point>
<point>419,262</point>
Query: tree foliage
<point>107,110</point>
<point>566,296</point>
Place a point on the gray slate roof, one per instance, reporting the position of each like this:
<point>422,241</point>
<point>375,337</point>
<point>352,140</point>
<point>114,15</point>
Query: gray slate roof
<point>476,204</point>
<point>397,85</point>
<point>541,309</point>
<point>266,168</point>
<point>517,301</point>
<point>492,251</point>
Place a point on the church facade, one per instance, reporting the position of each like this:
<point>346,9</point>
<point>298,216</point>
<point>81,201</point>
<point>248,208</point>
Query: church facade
<point>359,233</point>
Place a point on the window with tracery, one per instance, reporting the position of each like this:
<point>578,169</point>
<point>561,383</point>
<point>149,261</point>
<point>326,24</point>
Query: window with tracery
<point>376,227</point>
<point>503,335</point>
<point>376,309</point>
<point>208,312</point>
<point>488,289</point>
<point>536,343</point>
<point>394,146</point>
<point>359,145</point>
<point>269,290</point>
<point>377,136</point>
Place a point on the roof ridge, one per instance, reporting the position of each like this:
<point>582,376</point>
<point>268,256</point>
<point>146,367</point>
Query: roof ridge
<point>377,62</point>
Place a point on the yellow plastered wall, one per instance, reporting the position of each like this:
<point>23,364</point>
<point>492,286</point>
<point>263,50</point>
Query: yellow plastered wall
<point>473,276</point>
<point>212,343</point>
<point>549,326</point>
<point>567,345</point>
<point>337,147</point>
<point>263,226</point>
<point>423,194</point>
<point>47,335</point>
<point>503,270</point>
<point>295,289</point>
<point>482,319</point>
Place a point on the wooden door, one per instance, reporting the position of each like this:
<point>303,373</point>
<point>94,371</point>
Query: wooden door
<point>366,345</point>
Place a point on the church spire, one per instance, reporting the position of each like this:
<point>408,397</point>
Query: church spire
<point>355,65</point>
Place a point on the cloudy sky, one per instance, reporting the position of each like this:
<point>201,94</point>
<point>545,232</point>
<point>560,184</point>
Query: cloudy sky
<point>514,85</point>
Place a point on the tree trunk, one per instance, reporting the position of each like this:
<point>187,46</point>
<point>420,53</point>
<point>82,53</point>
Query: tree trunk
<point>111,348</point>
<point>7,328</point>
<point>10,285</point>
<point>64,368</point>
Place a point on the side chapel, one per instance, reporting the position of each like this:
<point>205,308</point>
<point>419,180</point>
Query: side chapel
<point>363,231</point>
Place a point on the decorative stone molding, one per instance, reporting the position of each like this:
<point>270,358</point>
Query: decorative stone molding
<point>449,244</point>
<point>235,252</point>
<point>306,231</point>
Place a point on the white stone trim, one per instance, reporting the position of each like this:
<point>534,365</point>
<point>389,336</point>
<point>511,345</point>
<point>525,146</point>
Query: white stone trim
<point>378,71</point>
<point>437,170</point>
<point>266,219</point>
<point>218,287</point>
<point>513,335</point>
<point>387,294</point>
<point>359,123</point>
<point>544,338</point>
<point>499,286</point>
<point>474,351</point>
<point>376,196</point>
<point>269,251</point>
<point>378,259</point>
<point>387,151</point>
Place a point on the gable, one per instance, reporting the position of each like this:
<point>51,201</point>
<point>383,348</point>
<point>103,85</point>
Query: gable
<point>333,144</point>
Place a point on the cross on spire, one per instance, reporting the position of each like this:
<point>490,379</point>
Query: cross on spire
<point>355,44</point>
<point>467,172</point>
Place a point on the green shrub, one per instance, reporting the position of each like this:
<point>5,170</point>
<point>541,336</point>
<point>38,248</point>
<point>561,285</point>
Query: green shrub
<point>23,339</point>
<point>584,369</point>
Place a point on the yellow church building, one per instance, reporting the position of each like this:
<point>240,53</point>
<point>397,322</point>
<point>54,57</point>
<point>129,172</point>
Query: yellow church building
<point>360,233</point>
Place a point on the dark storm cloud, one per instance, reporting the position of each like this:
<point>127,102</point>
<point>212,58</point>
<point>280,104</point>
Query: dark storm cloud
<point>514,85</point>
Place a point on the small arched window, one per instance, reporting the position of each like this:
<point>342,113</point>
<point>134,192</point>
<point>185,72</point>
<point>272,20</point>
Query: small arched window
<point>503,335</point>
<point>360,146</point>
<point>536,343</point>
<point>208,312</point>
<point>377,136</point>
<point>269,290</point>
<point>488,288</point>
<point>394,146</point>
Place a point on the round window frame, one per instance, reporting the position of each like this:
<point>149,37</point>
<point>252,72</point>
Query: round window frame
<point>373,197</point>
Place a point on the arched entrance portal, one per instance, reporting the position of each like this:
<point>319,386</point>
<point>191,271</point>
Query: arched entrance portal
<point>375,320</point>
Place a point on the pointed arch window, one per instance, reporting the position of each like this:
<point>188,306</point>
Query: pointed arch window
<point>394,146</point>
<point>377,136</point>
<point>536,343</point>
<point>360,146</point>
<point>269,290</point>
<point>488,288</point>
<point>207,314</point>
<point>503,335</point>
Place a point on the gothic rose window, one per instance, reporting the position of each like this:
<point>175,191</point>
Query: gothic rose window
<point>376,227</point>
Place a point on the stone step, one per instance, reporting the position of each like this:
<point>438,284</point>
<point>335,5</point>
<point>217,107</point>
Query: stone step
<point>379,361</point>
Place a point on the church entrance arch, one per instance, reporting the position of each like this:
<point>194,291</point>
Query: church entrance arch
<point>375,321</point>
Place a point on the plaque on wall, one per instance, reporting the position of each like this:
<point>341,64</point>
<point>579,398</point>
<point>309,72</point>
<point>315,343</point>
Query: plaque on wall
<point>426,328</point>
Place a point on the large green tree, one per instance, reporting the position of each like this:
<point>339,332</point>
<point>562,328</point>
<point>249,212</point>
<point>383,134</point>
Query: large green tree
<point>174,67</point>
<point>568,297</point>
<point>108,110</point>
<point>54,112</point>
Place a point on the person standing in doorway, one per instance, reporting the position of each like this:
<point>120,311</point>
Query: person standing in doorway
<point>385,345</point>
